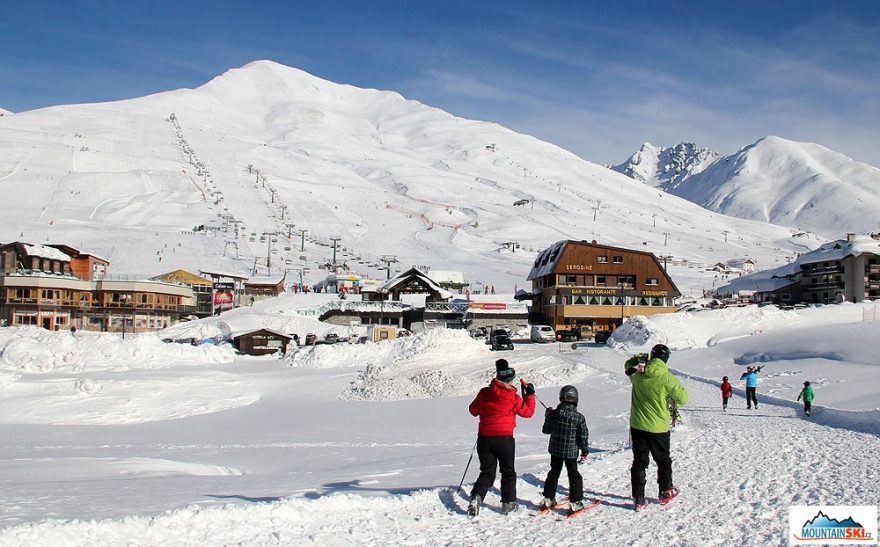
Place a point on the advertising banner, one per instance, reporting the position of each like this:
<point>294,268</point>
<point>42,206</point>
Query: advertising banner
<point>223,297</point>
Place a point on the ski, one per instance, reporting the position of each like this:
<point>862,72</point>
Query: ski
<point>544,511</point>
<point>591,505</point>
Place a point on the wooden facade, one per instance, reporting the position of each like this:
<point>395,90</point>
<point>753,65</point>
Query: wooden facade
<point>84,265</point>
<point>577,284</point>
<point>262,342</point>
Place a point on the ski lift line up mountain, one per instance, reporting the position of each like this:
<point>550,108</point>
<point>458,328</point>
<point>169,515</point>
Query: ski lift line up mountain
<point>229,145</point>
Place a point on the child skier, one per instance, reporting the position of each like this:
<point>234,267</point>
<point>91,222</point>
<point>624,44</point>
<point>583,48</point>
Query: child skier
<point>568,438</point>
<point>726,392</point>
<point>807,395</point>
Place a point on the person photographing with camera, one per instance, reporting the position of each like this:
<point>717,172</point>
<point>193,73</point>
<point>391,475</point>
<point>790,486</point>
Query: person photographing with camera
<point>497,405</point>
<point>652,387</point>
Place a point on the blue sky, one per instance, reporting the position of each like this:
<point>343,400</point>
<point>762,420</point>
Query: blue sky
<point>597,78</point>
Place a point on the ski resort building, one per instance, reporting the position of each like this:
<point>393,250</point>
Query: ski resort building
<point>38,287</point>
<point>842,270</point>
<point>585,284</point>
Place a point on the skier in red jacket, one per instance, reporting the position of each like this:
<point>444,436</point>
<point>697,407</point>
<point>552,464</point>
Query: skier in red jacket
<point>726,392</point>
<point>498,405</point>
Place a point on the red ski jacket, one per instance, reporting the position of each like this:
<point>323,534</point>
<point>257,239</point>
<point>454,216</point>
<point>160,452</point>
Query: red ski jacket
<point>498,405</point>
<point>726,389</point>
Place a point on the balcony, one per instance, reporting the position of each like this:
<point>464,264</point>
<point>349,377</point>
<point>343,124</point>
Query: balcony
<point>822,270</point>
<point>823,286</point>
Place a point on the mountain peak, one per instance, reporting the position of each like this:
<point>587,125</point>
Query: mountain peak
<point>666,167</point>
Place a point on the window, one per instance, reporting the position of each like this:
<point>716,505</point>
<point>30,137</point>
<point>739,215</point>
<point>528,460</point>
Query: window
<point>652,281</point>
<point>618,260</point>
<point>571,279</point>
<point>602,259</point>
<point>600,280</point>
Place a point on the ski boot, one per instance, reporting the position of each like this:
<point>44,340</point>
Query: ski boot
<point>640,504</point>
<point>508,507</point>
<point>548,503</point>
<point>668,495</point>
<point>474,507</point>
<point>576,506</point>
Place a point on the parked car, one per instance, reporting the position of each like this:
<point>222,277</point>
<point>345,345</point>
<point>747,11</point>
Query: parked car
<point>501,342</point>
<point>601,336</point>
<point>567,335</point>
<point>331,338</point>
<point>542,333</point>
<point>496,332</point>
<point>311,338</point>
<point>479,332</point>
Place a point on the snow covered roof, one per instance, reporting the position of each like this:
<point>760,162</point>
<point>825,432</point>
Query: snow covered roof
<point>840,249</point>
<point>413,272</point>
<point>273,280</point>
<point>44,251</point>
<point>446,276</point>
<point>237,334</point>
<point>218,273</point>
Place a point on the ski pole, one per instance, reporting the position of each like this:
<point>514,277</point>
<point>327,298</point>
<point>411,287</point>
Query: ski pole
<point>474,449</point>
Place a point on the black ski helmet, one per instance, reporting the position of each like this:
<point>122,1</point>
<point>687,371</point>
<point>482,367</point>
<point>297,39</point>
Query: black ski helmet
<point>660,351</point>
<point>568,394</point>
<point>806,383</point>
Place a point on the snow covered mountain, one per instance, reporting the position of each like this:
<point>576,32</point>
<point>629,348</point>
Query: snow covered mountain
<point>795,184</point>
<point>264,151</point>
<point>666,167</point>
<point>5,112</point>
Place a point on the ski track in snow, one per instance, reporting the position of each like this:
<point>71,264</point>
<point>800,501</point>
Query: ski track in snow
<point>739,472</point>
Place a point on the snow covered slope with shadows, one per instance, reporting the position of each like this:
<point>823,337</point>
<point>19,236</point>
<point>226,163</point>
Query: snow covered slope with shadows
<point>266,145</point>
<point>383,481</point>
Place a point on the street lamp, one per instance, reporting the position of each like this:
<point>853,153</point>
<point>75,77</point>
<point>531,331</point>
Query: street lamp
<point>621,285</point>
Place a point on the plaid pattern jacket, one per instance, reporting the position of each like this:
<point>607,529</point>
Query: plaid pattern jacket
<point>568,431</point>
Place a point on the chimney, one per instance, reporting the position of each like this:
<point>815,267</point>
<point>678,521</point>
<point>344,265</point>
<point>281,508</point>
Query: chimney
<point>850,236</point>
<point>594,242</point>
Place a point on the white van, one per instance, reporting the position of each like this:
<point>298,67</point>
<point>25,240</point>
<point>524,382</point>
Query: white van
<point>542,333</point>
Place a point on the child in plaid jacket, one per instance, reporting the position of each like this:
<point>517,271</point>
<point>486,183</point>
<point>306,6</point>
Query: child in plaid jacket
<point>569,438</point>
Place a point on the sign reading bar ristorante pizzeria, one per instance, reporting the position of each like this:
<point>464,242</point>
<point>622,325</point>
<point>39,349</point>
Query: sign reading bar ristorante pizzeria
<point>612,292</point>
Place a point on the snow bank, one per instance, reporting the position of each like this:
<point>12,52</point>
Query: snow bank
<point>701,329</point>
<point>58,378</point>
<point>427,364</point>
<point>280,314</point>
<point>35,350</point>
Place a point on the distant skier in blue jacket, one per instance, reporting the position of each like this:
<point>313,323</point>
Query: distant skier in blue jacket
<point>751,378</point>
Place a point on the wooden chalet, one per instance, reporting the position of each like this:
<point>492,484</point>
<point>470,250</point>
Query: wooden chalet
<point>412,281</point>
<point>261,342</point>
<point>580,283</point>
<point>263,287</point>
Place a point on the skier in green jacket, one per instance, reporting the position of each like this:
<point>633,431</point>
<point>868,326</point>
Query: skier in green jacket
<point>807,395</point>
<point>652,387</point>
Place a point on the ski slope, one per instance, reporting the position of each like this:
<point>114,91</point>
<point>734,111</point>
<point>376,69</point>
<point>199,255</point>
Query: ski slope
<point>359,445</point>
<point>263,152</point>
